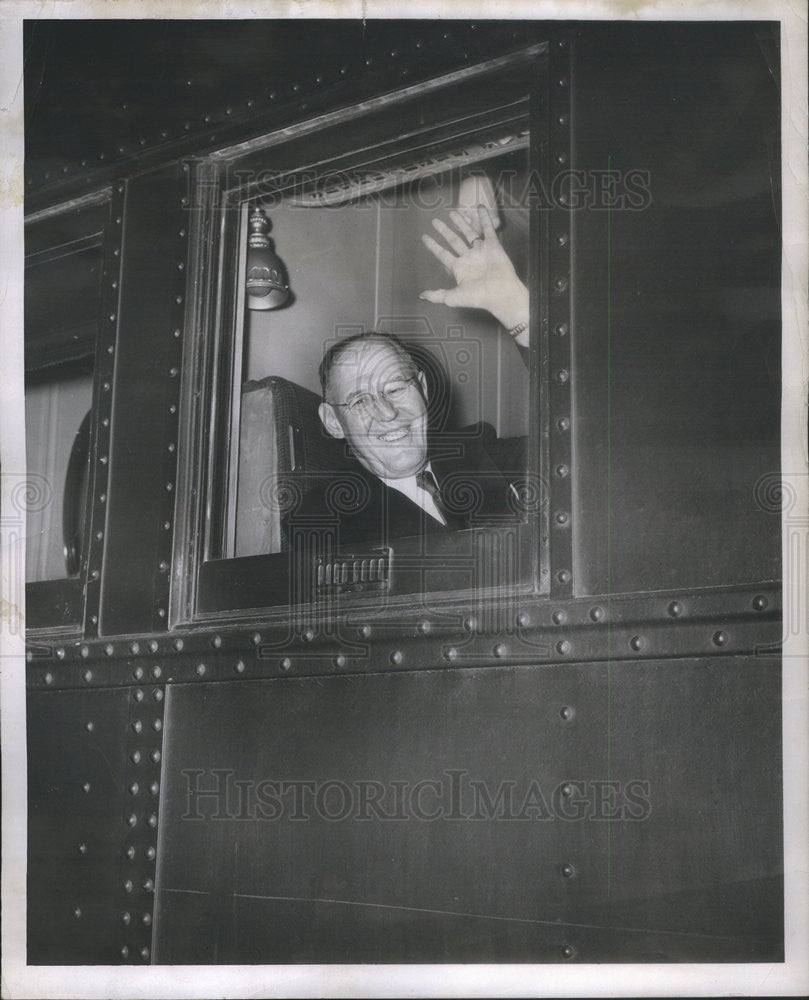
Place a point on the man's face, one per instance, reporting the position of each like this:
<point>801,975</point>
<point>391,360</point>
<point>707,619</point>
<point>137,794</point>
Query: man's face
<point>385,422</point>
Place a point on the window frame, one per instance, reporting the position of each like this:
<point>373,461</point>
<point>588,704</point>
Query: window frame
<point>203,587</point>
<point>59,606</point>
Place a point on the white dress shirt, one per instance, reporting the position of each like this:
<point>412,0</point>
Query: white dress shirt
<point>413,492</point>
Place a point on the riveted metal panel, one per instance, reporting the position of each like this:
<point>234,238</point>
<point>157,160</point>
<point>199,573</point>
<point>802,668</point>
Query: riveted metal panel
<point>145,406</point>
<point>676,306</point>
<point>75,824</point>
<point>639,817</point>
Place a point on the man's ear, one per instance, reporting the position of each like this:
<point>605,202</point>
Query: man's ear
<point>329,420</point>
<point>423,383</point>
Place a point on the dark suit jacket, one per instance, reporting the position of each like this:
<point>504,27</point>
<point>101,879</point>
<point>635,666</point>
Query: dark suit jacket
<point>480,477</point>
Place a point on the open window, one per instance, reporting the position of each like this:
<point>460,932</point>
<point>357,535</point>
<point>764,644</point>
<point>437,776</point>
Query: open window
<point>334,211</point>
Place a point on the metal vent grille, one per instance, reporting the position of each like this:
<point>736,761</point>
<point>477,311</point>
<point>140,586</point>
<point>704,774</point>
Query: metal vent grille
<point>361,573</point>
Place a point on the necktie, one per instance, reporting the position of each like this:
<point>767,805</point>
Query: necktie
<point>426,481</point>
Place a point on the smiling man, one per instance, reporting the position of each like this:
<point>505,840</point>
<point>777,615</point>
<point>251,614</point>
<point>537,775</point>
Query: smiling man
<point>400,482</point>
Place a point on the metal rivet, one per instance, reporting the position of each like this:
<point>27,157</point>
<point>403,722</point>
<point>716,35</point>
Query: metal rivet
<point>308,635</point>
<point>154,788</point>
<point>154,756</point>
<point>239,667</point>
<point>286,663</point>
<point>146,919</point>
<point>563,576</point>
<point>49,679</point>
<point>561,158</point>
<point>148,885</point>
<point>132,819</point>
<point>563,647</point>
<point>89,726</point>
<point>567,951</point>
<point>559,617</point>
<point>157,724</point>
<point>563,424</point>
<point>470,624</point>
<point>28,656</point>
<point>451,654</point>
<point>566,790</point>
<point>60,653</point>
<point>144,953</point>
<point>566,713</point>
<point>86,787</point>
<point>157,694</point>
<point>152,821</point>
<point>720,638</point>
<point>563,199</point>
<point>153,645</point>
<point>636,642</point>
<point>199,670</point>
<point>339,660</point>
<point>396,657</point>
<point>137,726</point>
<point>561,119</point>
<point>125,917</point>
<point>150,853</point>
<point>95,574</point>
<point>596,613</point>
<point>82,848</point>
<point>77,912</point>
<point>561,283</point>
<point>566,870</point>
<point>562,471</point>
<point>162,566</point>
<point>88,676</point>
<point>137,673</point>
<point>130,853</point>
<point>135,757</point>
<point>128,885</point>
<point>216,642</point>
<point>134,648</point>
<point>499,650</point>
<point>109,649</point>
<point>156,672</point>
<point>760,602</point>
<point>167,526</point>
<point>178,644</point>
<point>561,240</point>
<point>562,517</point>
<point>675,609</point>
<point>134,788</point>
<point>106,386</point>
<point>365,631</point>
<point>424,628</point>
<point>174,371</point>
<point>124,952</point>
<point>256,638</point>
<point>173,408</point>
<point>522,620</point>
<point>84,652</point>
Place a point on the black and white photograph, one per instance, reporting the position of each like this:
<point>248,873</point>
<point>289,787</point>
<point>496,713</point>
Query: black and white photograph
<point>404,500</point>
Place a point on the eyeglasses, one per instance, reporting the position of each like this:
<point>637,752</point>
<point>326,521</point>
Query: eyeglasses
<point>393,392</point>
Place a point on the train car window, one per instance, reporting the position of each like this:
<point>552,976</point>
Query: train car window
<point>404,464</point>
<point>63,266</point>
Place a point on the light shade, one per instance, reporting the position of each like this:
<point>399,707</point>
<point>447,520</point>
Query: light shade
<point>266,281</point>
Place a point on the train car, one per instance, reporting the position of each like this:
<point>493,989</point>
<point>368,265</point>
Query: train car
<point>553,735</point>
